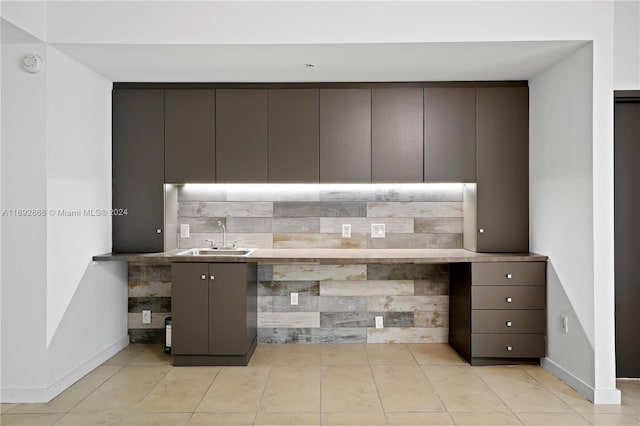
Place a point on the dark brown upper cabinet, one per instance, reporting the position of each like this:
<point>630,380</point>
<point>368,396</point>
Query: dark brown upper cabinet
<point>626,231</point>
<point>502,170</point>
<point>450,135</point>
<point>345,135</point>
<point>138,170</point>
<point>241,135</point>
<point>396,135</point>
<point>294,135</point>
<point>189,135</point>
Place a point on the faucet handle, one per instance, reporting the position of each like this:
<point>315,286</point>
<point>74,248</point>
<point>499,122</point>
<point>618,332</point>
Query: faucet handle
<point>212,243</point>
<point>234,243</point>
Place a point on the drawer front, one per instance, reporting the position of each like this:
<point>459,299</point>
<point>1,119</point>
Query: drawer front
<point>507,321</point>
<point>507,297</point>
<point>508,345</point>
<point>509,273</point>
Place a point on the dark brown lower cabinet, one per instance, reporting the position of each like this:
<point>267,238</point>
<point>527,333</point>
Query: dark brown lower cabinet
<point>213,313</point>
<point>497,312</point>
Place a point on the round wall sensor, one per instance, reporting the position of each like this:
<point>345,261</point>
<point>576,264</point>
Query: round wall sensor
<point>33,63</point>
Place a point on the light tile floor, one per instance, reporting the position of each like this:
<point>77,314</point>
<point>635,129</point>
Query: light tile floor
<point>376,384</point>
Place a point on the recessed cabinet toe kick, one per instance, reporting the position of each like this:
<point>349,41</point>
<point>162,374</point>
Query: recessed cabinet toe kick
<point>497,312</point>
<point>214,313</point>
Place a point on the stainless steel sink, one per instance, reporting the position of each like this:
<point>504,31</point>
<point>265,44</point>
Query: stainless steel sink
<point>244,252</point>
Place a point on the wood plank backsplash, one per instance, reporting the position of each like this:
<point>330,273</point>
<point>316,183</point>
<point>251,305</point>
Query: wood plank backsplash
<point>337,303</point>
<point>308,216</point>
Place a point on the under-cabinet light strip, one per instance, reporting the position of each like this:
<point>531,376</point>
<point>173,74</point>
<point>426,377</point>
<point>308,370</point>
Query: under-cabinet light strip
<point>267,187</point>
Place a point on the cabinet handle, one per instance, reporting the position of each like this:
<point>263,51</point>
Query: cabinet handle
<point>509,348</point>
<point>509,276</point>
<point>203,277</point>
<point>212,277</point>
<point>508,323</point>
<point>158,231</point>
<point>509,300</point>
<point>481,230</point>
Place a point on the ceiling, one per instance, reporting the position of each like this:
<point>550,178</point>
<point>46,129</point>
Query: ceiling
<point>457,61</point>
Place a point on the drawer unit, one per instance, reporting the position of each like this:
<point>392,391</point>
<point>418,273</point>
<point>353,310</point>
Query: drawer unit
<point>508,345</point>
<point>508,321</point>
<point>507,297</point>
<point>509,273</point>
<point>497,311</point>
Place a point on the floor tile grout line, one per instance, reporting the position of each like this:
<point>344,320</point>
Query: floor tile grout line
<point>77,403</point>
<point>497,395</point>
<point>375,383</point>
<point>586,419</point>
<point>321,376</point>
<point>446,409</point>
<point>264,388</point>
<point>127,363</point>
<point>195,410</point>
<point>632,414</point>
<point>69,411</point>
<point>137,405</point>
<point>550,390</point>
<point>97,387</point>
<point>412,354</point>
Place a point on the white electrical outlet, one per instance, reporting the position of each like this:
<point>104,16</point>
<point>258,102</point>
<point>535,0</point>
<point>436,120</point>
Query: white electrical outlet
<point>146,317</point>
<point>379,322</point>
<point>184,230</point>
<point>565,322</point>
<point>294,298</point>
<point>377,230</point>
<point>346,230</point>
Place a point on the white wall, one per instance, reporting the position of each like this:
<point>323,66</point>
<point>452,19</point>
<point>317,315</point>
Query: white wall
<point>23,172</point>
<point>78,175</point>
<point>627,44</point>
<point>29,16</point>
<point>84,298</point>
<point>62,314</point>
<point>0,192</point>
<point>276,22</point>
<point>561,200</point>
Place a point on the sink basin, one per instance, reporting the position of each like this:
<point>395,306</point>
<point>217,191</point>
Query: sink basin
<point>217,252</point>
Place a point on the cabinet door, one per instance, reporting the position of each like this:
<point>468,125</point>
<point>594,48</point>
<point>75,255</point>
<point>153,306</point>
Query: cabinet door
<point>138,170</point>
<point>345,135</point>
<point>502,169</point>
<point>241,135</point>
<point>396,135</point>
<point>189,308</point>
<point>294,132</point>
<point>189,138</point>
<point>227,309</point>
<point>627,230</point>
<point>450,135</point>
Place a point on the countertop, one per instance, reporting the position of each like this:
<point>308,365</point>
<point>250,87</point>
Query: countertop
<point>335,256</point>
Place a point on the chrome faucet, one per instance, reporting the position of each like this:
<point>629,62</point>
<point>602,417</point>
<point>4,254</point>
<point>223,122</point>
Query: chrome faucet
<point>224,234</point>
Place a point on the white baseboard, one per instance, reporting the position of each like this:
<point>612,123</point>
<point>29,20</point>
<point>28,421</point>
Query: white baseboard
<point>597,396</point>
<point>38,395</point>
<point>607,396</point>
